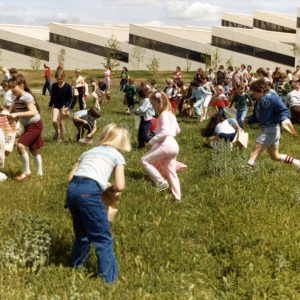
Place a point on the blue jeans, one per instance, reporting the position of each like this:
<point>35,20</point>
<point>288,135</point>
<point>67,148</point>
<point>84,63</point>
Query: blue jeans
<point>47,86</point>
<point>241,114</point>
<point>227,136</point>
<point>90,225</point>
<point>198,107</point>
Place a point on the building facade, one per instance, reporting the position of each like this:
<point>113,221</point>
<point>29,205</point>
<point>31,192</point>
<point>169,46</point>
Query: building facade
<point>264,39</point>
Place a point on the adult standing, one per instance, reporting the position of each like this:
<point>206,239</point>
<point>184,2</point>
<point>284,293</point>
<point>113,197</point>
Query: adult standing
<point>78,86</point>
<point>177,74</point>
<point>107,77</point>
<point>47,76</point>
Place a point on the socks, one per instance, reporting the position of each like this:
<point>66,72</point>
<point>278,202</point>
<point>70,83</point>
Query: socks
<point>25,159</point>
<point>39,165</point>
<point>289,160</point>
<point>251,163</point>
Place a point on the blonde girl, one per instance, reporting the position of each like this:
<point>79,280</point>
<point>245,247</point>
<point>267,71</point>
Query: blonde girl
<point>87,181</point>
<point>26,110</point>
<point>164,147</point>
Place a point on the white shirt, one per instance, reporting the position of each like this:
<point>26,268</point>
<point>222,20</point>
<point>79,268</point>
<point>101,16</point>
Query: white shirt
<point>98,163</point>
<point>8,98</point>
<point>225,127</point>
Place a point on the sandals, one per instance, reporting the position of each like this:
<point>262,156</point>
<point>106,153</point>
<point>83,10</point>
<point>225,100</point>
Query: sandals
<point>22,177</point>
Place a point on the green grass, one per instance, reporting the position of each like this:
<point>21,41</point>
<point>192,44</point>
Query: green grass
<point>231,237</point>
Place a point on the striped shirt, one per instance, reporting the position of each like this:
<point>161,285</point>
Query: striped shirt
<point>20,105</point>
<point>98,163</point>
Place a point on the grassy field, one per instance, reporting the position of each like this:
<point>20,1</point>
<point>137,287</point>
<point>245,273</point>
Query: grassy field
<point>231,237</point>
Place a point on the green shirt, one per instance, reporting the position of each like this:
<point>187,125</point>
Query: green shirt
<point>130,90</point>
<point>241,101</point>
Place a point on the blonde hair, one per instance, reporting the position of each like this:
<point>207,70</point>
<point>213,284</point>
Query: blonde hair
<point>161,97</point>
<point>115,136</point>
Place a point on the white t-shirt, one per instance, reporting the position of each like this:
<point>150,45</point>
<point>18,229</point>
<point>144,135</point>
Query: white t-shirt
<point>225,127</point>
<point>98,164</point>
<point>293,98</point>
<point>8,98</point>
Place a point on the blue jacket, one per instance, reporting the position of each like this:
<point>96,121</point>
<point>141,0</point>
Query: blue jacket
<point>268,111</point>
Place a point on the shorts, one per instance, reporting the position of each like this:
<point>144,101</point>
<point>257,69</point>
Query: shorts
<point>269,136</point>
<point>32,136</point>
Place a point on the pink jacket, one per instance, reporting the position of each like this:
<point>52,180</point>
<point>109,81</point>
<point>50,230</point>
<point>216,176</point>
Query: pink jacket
<point>167,126</point>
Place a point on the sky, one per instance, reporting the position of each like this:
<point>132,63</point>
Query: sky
<point>148,12</point>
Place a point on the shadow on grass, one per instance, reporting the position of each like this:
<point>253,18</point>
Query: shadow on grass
<point>137,175</point>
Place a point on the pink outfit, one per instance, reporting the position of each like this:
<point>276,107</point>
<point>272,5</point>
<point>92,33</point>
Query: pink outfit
<point>163,153</point>
<point>107,79</point>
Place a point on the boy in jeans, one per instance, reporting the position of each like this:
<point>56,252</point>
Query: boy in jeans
<point>86,119</point>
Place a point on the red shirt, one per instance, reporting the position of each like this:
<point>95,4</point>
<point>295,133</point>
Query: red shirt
<point>47,73</point>
<point>221,101</point>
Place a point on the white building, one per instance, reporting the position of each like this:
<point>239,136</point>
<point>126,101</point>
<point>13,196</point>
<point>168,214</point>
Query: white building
<point>262,39</point>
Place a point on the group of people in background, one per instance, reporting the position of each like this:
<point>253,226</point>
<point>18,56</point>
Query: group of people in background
<point>209,96</point>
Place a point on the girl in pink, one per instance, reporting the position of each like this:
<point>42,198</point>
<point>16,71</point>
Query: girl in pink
<point>164,147</point>
<point>107,78</point>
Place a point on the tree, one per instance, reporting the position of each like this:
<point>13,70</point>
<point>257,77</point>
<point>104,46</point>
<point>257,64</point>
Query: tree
<point>137,54</point>
<point>112,53</point>
<point>188,63</point>
<point>229,62</point>
<point>61,56</point>
<point>215,59</point>
<point>296,52</point>
<point>0,58</point>
<point>153,66</point>
<point>36,59</point>
<point>207,60</point>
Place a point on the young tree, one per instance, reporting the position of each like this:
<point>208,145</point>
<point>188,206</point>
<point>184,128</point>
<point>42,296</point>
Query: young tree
<point>153,66</point>
<point>188,63</point>
<point>61,56</point>
<point>229,62</point>
<point>112,53</point>
<point>36,59</point>
<point>215,59</point>
<point>137,54</point>
<point>296,52</point>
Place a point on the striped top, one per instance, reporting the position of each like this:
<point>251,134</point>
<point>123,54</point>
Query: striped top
<point>98,163</point>
<point>20,105</point>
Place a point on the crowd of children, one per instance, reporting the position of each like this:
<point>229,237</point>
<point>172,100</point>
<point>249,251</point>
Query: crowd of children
<point>209,96</point>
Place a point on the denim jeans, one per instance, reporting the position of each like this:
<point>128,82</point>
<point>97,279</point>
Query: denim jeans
<point>47,86</point>
<point>143,134</point>
<point>241,115</point>
<point>90,225</point>
<point>198,107</point>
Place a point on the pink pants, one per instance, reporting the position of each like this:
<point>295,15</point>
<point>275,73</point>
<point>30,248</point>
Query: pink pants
<point>165,153</point>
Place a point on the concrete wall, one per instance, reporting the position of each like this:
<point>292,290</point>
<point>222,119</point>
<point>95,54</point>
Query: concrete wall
<point>278,19</point>
<point>168,62</point>
<point>239,19</point>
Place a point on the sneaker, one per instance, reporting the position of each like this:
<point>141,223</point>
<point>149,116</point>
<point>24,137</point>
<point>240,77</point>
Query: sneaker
<point>3,177</point>
<point>163,185</point>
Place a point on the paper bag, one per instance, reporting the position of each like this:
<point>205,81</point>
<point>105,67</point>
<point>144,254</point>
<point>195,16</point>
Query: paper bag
<point>111,201</point>
<point>241,139</point>
<point>8,127</point>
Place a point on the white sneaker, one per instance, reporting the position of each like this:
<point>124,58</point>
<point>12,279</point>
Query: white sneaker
<point>3,177</point>
<point>163,185</point>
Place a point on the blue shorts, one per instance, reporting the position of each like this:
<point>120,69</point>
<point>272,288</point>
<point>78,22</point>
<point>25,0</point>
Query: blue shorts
<point>269,136</point>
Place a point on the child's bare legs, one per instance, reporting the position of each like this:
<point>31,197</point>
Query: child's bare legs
<point>55,114</point>
<point>257,149</point>
<point>62,125</point>
<point>274,154</point>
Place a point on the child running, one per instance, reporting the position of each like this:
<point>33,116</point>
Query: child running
<point>146,113</point>
<point>269,111</point>
<point>241,101</point>
<point>60,102</point>
<point>87,181</point>
<point>164,147</point>
<point>26,110</point>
